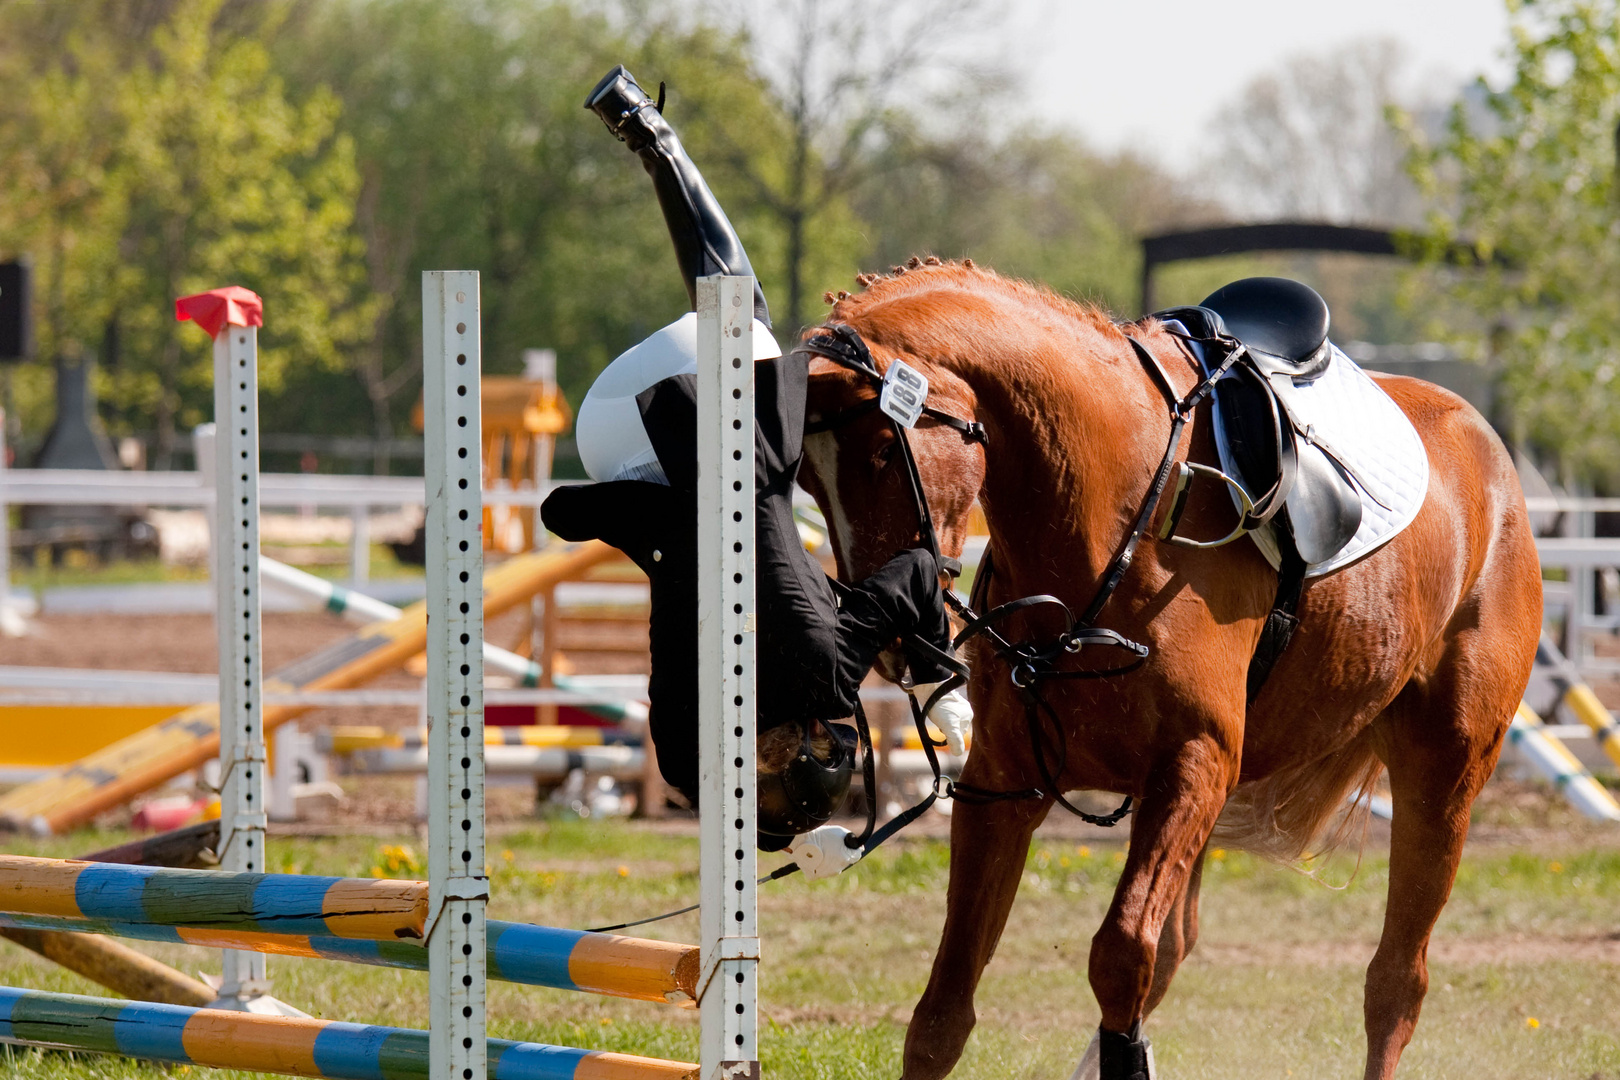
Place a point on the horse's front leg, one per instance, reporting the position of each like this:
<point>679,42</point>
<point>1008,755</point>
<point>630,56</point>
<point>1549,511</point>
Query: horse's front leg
<point>1178,937</point>
<point>989,843</point>
<point>1184,797</point>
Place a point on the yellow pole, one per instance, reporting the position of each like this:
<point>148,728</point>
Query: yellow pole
<point>1585,704</point>
<point>116,774</point>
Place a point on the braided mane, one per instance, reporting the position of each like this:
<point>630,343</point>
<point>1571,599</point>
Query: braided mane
<point>930,273</point>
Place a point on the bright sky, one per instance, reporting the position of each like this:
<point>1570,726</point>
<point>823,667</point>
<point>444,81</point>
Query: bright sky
<point>1151,72</point>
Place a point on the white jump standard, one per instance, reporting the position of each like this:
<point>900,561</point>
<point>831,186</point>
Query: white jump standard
<point>458,887</point>
<point>728,989</point>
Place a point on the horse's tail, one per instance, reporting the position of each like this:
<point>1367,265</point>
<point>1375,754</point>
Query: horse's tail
<point>1305,810</point>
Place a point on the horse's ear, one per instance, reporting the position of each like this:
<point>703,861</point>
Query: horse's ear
<point>829,383</point>
<point>823,368</point>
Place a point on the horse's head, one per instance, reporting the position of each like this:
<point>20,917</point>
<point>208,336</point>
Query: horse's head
<point>857,472</point>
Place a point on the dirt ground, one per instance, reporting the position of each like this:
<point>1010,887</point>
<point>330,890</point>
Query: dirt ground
<point>1509,813</point>
<point>185,644</point>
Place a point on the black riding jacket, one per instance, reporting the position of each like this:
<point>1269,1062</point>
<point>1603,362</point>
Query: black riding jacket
<point>814,649</point>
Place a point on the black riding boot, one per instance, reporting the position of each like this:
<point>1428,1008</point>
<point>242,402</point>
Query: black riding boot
<point>705,242</point>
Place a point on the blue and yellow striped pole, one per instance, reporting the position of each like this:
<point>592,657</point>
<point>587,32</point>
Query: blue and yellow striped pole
<point>277,904</point>
<point>516,952</point>
<point>295,1046</point>
<point>1554,761</point>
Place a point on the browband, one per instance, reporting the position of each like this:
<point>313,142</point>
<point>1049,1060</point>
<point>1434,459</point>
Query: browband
<point>843,345</point>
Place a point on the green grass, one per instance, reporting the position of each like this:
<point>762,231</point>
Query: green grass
<point>81,571</point>
<point>40,576</point>
<point>1273,991</point>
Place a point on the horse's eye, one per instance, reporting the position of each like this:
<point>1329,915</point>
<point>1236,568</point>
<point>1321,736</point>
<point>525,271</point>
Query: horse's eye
<point>883,455</point>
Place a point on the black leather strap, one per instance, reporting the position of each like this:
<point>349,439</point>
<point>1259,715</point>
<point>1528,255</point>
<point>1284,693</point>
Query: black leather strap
<point>843,345</point>
<point>1283,620</point>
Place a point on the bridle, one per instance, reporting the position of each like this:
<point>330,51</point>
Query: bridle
<point>844,346</point>
<point>1030,663</point>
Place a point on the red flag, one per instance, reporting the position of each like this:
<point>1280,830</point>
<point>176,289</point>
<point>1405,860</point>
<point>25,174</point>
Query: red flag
<point>215,308</point>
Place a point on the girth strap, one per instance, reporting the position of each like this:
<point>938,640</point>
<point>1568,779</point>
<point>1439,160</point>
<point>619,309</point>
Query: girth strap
<point>1282,620</point>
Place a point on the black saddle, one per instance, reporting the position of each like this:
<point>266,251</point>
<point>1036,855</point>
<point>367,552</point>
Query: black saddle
<point>1281,326</point>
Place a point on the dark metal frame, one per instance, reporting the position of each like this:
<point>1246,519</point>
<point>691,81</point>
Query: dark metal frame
<point>1276,236</point>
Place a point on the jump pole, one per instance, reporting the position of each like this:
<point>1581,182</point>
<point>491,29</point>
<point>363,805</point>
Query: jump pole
<point>457,886</point>
<point>232,316</point>
<point>113,964</point>
<point>519,953</point>
<point>728,986</point>
<point>1553,761</point>
<point>298,1046</point>
<point>358,607</point>
<point>115,774</point>
<point>1576,694</point>
<point>359,920</point>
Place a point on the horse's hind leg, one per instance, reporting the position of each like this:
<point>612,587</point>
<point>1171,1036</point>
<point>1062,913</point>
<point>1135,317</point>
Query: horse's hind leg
<point>1440,743</point>
<point>989,843</point>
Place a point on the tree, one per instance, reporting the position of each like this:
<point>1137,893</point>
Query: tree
<point>62,199</point>
<point>839,70</point>
<point>1313,141</point>
<point>234,184</point>
<point>1036,204</point>
<point>164,158</point>
<point>1531,182</point>
<point>475,151</point>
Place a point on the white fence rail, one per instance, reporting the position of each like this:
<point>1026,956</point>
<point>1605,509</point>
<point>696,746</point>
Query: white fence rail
<point>94,487</point>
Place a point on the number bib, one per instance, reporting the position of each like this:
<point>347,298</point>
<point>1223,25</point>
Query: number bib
<point>905,392</point>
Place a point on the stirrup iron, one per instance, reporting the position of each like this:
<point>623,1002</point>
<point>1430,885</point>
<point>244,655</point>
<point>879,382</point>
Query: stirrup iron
<point>1185,471</point>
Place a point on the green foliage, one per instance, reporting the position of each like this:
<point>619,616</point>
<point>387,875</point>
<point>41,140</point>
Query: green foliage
<point>326,154</point>
<point>173,162</point>
<point>476,152</point>
<point>1530,180</point>
<point>1037,205</point>
<point>62,197</point>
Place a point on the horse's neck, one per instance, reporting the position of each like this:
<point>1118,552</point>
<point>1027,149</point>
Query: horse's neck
<point>1075,430</point>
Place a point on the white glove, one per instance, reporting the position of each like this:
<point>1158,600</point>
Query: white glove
<point>951,714</point>
<point>822,853</point>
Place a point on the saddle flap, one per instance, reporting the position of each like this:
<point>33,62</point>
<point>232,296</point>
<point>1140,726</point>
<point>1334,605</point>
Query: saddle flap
<point>1260,438</point>
<point>1324,507</point>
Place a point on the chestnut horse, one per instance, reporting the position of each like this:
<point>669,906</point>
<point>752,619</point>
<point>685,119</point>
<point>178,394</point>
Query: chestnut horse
<point>1411,660</point>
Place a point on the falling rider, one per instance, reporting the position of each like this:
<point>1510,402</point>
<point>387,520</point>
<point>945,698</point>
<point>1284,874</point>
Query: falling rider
<point>637,438</point>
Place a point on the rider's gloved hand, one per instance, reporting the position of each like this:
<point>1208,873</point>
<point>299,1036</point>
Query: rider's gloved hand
<point>951,714</point>
<point>822,852</point>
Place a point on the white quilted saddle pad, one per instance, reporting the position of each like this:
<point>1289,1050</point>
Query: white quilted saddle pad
<point>1348,416</point>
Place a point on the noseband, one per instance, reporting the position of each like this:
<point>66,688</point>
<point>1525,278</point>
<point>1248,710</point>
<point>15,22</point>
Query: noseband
<point>1030,663</point>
